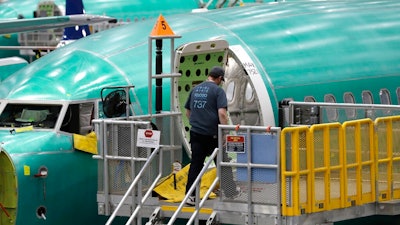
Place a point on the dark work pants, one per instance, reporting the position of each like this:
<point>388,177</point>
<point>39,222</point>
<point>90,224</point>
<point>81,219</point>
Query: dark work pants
<point>202,146</point>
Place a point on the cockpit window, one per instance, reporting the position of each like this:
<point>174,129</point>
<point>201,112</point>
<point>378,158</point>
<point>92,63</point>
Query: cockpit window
<point>39,116</point>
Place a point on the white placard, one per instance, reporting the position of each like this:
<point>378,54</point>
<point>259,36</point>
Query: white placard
<point>148,138</point>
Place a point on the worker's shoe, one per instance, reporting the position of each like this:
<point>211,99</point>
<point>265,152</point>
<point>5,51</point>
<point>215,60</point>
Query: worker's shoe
<point>191,201</point>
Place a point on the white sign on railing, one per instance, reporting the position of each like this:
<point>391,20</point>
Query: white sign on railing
<point>148,138</point>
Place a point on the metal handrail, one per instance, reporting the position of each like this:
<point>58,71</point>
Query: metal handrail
<point>247,131</point>
<point>149,191</point>
<point>101,125</point>
<point>195,184</point>
<point>134,183</point>
<point>202,202</point>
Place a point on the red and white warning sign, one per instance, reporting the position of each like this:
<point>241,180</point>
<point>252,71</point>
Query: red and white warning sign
<point>148,138</point>
<point>235,143</point>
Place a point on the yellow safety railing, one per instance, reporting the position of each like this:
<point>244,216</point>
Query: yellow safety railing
<point>359,162</point>
<point>295,171</point>
<point>327,167</point>
<point>387,145</point>
<point>332,166</point>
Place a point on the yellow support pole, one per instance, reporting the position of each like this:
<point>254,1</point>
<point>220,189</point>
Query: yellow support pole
<point>296,177</point>
<point>358,162</point>
<point>283,172</point>
<point>327,174</point>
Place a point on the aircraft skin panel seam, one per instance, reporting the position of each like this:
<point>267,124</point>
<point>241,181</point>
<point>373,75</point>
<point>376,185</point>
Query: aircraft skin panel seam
<point>111,63</point>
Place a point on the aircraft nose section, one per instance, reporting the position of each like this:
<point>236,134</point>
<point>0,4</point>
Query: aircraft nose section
<point>8,190</point>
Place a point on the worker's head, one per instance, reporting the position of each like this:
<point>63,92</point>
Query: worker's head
<point>217,72</point>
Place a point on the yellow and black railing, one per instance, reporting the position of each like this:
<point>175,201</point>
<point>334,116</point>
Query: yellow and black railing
<point>334,166</point>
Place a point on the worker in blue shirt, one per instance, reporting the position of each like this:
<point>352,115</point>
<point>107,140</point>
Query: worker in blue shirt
<point>206,107</point>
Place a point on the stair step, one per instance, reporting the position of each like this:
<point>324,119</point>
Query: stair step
<point>171,208</point>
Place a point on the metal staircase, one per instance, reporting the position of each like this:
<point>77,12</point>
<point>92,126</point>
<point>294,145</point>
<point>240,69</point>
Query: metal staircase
<point>203,209</point>
<point>128,173</point>
<point>261,205</point>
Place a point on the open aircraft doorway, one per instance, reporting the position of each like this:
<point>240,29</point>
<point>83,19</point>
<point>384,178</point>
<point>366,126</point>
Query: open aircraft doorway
<point>243,83</point>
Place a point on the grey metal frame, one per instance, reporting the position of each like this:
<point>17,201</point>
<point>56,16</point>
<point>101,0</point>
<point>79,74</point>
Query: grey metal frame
<point>103,132</point>
<point>250,209</point>
<point>291,115</point>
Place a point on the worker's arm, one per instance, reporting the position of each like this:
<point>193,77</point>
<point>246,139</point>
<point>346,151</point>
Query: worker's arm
<point>223,116</point>
<point>188,113</point>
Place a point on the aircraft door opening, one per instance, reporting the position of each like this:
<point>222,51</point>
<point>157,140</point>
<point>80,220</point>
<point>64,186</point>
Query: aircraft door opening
<point>8,190</point>
<point>248,99</point>
<point>194,60</point>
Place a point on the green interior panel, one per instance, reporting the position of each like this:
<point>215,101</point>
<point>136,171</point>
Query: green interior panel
<point>8,191</point>
<point>47,7</point>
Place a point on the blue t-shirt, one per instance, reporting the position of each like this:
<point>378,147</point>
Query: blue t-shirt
<point>204,101</point>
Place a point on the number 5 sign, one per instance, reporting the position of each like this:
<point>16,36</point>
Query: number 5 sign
<point>161,28</point>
